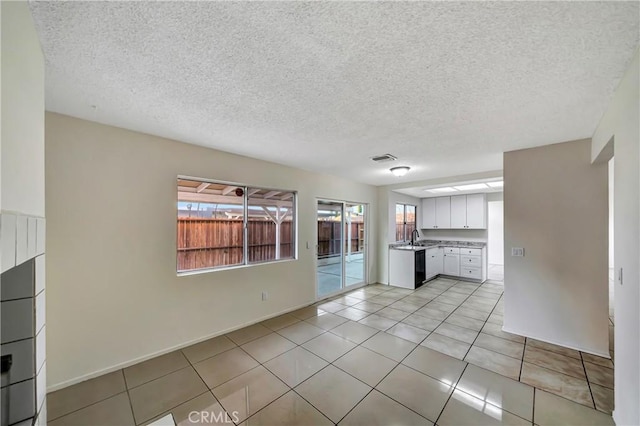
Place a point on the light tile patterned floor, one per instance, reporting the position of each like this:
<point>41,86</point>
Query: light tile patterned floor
<point>378,355</point>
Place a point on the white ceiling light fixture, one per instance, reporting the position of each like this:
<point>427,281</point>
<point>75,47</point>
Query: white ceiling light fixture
<point>496,184</point>
<point>471,187</point>
<point>399,171</point>
<point>441,190</point>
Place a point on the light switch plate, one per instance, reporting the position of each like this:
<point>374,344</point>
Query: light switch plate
<point>517,251</point>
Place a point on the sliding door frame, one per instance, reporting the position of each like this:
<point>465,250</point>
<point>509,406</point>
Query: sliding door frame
<point>343,287</point>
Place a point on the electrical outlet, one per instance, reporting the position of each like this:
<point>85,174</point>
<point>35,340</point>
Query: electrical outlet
<point>517,251</point>
<point>265,295</point>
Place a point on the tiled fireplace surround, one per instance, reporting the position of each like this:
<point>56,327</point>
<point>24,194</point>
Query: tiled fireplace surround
<point>22,240</point>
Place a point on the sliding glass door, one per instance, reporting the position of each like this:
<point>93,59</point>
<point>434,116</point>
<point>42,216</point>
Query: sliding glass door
<point>341,246</point>
<point>354,244</point>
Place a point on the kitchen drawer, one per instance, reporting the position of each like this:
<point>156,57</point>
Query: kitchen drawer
<point>470,261</point>
<point>432,251</point>
<point>471,251</point>
<point>452,250</point>
<point>469,272</point>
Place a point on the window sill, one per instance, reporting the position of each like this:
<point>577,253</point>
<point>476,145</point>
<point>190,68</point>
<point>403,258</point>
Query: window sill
<point>229,268</point>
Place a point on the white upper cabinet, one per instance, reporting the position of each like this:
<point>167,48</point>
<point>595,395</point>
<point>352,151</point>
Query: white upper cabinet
<point>436,213</point>
<point>443,212</point>
<point>428,213</point>
<point>477,211</point>
<point>455,212</point>
<point>459,211</point>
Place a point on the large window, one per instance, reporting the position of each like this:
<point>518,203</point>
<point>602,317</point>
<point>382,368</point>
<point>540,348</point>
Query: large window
<point>405,221</point>
<point>222,225</point>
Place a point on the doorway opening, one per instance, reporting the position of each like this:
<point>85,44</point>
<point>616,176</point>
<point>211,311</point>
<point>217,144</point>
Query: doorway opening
<point>495,240</point>
<point>611,253</point>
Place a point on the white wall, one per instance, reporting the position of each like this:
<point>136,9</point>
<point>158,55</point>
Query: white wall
<point>387,225</point>
<point>611,214</point>
<point>22,158</point>
<point>619,131</point>
<point>114,297</point>
<point>396,198</point>
<point>495,196</point>
<point>477,235</point>
<point>495,231</point>
<point>555,207</point>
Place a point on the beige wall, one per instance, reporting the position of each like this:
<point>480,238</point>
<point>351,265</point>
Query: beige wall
<point>113,294</point>
<point>619,131</point>
<point>555,207</point>
<point>22,157</point>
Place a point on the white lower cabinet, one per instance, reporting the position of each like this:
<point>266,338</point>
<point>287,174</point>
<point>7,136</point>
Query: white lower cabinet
<point>440,261</point>
<point>451,264</point>
<point>407,268</point>
<point>434,262</point>
<point>468,263</point>
<point>473,273</point>
<point>465,263</point>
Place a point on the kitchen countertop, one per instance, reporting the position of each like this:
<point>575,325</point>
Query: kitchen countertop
<point>425,244</point>
<point>409,248</point>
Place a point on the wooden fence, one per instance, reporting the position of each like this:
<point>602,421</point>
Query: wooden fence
<point>204,242</point>
<point>329,238</point>
<point>400,229</point>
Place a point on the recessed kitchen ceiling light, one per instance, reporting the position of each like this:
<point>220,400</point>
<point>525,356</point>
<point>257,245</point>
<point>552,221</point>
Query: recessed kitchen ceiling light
<point>441,190</point>
<point>471,187</point>
<point>499,184</point>
<point>399,171</point>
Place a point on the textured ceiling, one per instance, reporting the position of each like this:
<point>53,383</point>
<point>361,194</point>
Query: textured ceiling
<point>444,86</point>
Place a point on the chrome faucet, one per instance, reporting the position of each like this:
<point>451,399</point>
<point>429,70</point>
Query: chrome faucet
<point>415,235</point>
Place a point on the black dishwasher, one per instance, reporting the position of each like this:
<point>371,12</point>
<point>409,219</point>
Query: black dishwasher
<point>421,273</point>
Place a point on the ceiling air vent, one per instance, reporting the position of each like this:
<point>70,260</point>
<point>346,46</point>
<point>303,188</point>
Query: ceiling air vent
<point>383,158</point>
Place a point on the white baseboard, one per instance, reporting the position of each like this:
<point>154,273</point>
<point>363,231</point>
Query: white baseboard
<point>589,351</point>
